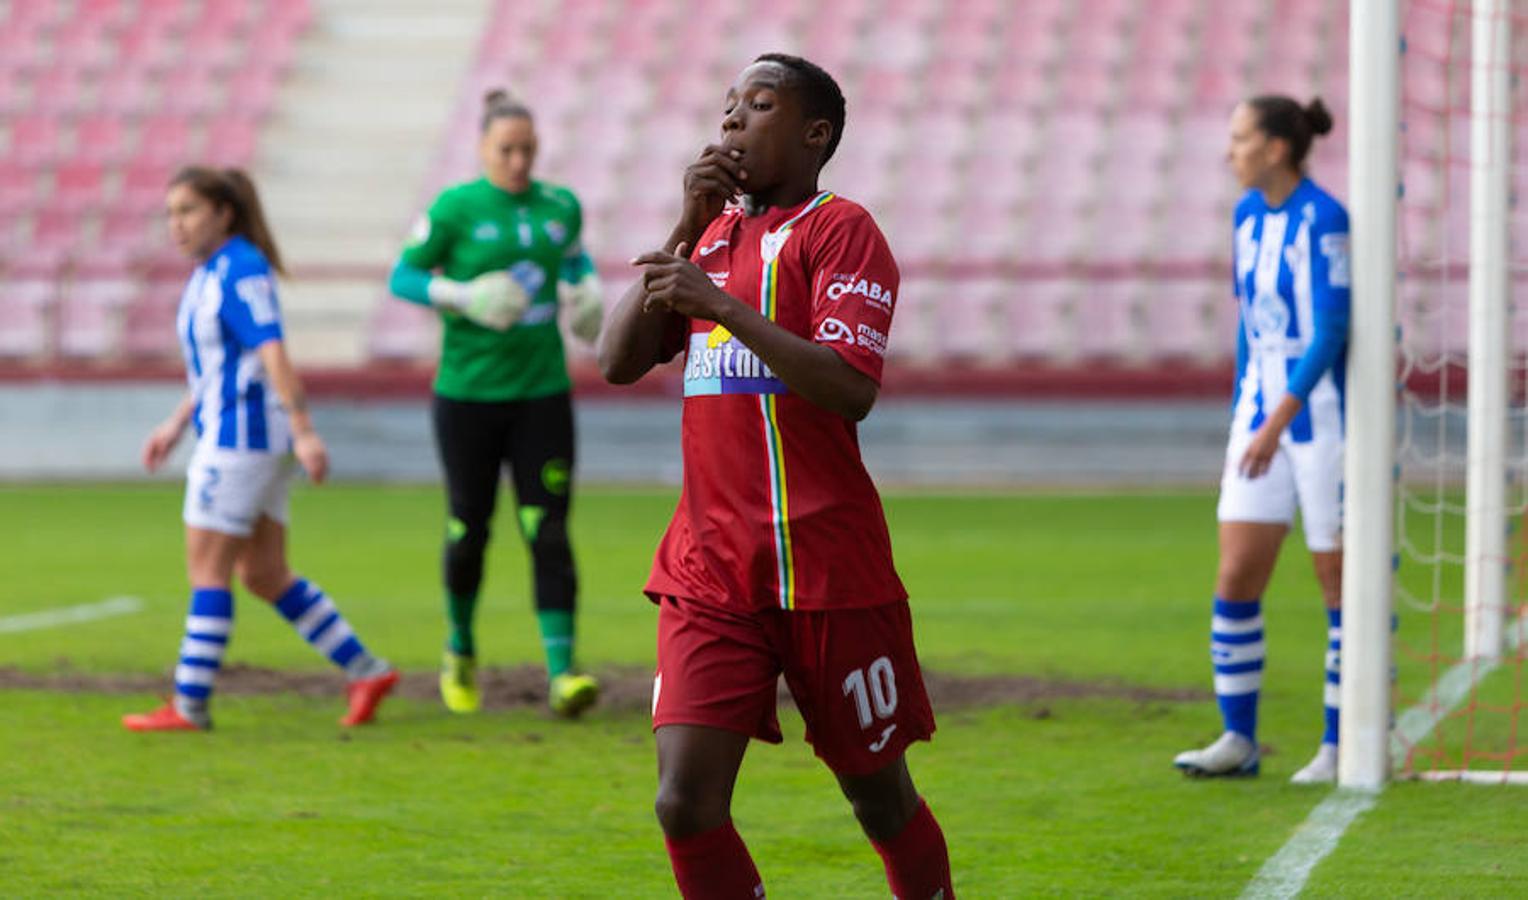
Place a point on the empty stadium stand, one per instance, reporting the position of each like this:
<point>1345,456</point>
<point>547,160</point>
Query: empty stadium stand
<point>102,100</point>
<point>1049,172</point>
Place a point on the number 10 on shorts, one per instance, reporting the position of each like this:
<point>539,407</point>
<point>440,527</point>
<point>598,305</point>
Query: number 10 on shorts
<point>873,687</point>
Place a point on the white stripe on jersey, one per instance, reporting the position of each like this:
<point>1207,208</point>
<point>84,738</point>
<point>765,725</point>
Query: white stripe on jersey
<point>1275,271</point>
<point>236,408</point>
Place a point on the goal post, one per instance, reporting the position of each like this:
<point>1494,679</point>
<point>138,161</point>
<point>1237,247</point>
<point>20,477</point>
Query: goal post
<point>1485,591</point>
<point>1368,510</point>
<point>1437,413</point>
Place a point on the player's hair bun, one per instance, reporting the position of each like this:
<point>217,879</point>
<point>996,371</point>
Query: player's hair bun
<point>1319,117</point>
<point>495,96</point>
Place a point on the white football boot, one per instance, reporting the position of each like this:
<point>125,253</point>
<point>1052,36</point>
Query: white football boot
<point>1231,756</point>
<point>1321,770</point>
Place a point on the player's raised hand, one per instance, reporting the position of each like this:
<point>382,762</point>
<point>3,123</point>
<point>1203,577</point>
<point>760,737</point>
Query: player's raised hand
<point>672,282</point>
<point>715,177</point>
<point>312,455</point>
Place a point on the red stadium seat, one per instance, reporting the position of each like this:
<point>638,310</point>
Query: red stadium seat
<point>231,141</point>
<point>166,140</point>
<point>131,91</point>
<point>195,96</point>
<point>1177,321</point>
<point>21,189</point>
<point>56,230</point>
<point>969,320</point>
<point>1037,314</point>
<point>34,139</point>
<point>252,92</point>
<point>78,186</point>
<point>148,322</point>
<point>102,137</point>
<point>147,44</point>
<point>24,318</point>
<point>143,187</point>
<point>1104,312</point>
<point>90,318</point>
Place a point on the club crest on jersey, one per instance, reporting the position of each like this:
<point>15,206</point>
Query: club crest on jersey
<point>485,231</point>
<point>556,232</point>
<point>719,363</point>
<point>420,232</point>
<point>770,244</point>
<point>1270,316</point>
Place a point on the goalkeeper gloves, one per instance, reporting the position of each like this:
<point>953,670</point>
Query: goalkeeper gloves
<point>587,310</point>
<point>494,300</point>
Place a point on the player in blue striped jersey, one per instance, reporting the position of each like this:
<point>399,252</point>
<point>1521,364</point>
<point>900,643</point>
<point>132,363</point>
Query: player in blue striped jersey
<point>1286,442</point>
<point>252,425</point>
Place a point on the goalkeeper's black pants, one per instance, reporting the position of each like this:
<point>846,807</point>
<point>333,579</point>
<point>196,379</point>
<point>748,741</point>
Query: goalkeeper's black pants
<point>533,439</point>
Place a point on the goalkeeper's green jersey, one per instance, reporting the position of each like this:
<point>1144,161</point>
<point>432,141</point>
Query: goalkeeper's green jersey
<point>475,228</point>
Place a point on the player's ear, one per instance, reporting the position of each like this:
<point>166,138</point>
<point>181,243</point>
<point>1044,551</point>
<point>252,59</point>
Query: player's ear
<point>1279,152</point>
<point>818,133</point>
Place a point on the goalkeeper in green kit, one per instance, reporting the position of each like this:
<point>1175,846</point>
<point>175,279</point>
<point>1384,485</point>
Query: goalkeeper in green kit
<point>496,257</point>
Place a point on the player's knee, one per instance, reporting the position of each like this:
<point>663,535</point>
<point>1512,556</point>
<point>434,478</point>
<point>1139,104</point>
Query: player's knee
<point>882,815</point>
<point>1239,576</point>
<point>466,540</point>
<point>265,580</point>
<point>683,813</point>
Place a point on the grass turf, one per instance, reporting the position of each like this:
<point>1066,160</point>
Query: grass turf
<point>1057,798</point>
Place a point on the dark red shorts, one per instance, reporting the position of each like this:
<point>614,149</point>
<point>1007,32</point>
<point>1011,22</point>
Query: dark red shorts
<point>853,673</point>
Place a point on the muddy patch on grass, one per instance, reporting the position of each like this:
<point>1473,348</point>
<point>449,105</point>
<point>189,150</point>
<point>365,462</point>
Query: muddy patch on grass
<point>621,688</point>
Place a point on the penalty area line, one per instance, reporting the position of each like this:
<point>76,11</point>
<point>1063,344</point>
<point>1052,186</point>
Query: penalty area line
<point>70,615</point>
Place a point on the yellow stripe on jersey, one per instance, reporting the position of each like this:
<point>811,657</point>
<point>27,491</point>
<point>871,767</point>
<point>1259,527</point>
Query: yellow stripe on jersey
<point>785,569</point>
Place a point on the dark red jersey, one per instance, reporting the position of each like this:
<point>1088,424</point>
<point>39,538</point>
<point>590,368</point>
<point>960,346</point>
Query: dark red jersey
<point>777,510</point>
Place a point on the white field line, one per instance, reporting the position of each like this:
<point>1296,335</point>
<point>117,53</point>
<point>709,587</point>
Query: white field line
<point>1284,874</point>
<point>70,615</point>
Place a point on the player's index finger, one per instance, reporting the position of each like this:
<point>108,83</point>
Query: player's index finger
<point>652,257</point>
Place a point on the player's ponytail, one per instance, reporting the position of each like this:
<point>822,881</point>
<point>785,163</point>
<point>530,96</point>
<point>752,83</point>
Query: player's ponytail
<point>1319,116</point>
<point>1286,119</point>
<point>233,189</point>
<point>500,104</point>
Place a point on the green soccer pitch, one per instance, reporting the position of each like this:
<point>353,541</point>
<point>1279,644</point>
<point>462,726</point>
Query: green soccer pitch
<point>1081,618</point>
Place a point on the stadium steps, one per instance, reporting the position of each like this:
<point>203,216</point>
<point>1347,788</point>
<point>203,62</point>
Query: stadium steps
<point>356,128</point>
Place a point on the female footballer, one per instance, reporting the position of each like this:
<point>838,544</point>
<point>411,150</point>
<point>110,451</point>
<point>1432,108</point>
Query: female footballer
<point>493,256</point>
<point>251,421</point>
<point>1286,442</point>
<point>777,560</point>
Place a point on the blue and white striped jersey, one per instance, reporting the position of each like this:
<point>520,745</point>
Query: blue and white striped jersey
<point>227,310</point>
<point>1292,285</point>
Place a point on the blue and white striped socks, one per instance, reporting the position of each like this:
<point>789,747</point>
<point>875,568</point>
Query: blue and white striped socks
<point>1332,695</point>
<point>320,624</point>
<point>1236,648</point>
<point>209,622</point>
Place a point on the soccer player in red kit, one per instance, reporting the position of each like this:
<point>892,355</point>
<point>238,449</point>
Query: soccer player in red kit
<point>777,560</point>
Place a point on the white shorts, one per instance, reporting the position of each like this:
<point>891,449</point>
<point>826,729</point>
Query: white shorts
<point>229,490</point>
<point>1307,475</point>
